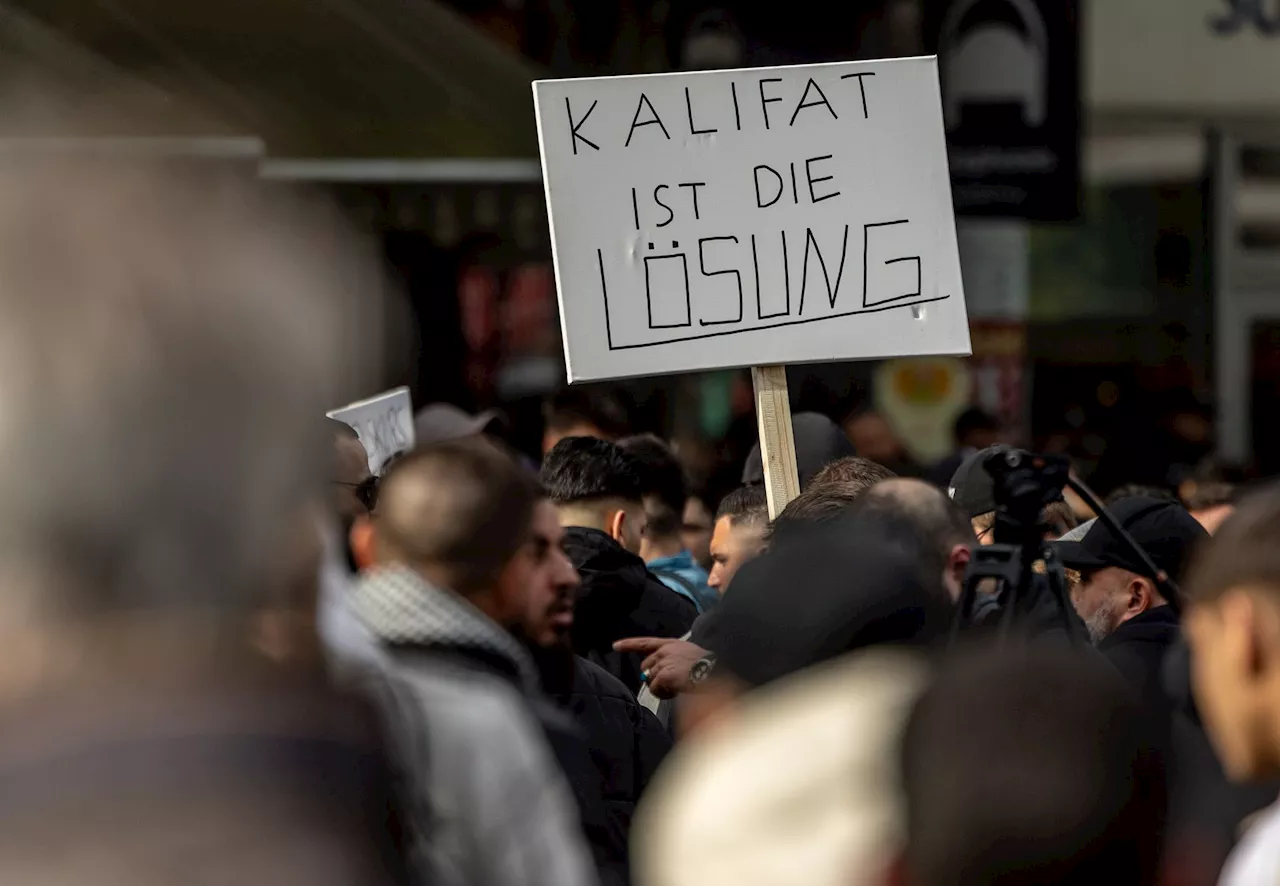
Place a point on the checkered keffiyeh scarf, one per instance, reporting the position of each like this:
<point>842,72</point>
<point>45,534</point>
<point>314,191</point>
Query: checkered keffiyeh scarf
<point>398,606</point>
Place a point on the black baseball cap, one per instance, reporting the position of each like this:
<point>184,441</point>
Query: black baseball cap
<point>1163,528</point>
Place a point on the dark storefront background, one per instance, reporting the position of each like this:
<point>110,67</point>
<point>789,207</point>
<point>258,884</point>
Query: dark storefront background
<point>1119,304</point>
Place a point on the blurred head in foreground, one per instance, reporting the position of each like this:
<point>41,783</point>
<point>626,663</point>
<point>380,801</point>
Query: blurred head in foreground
<point>850,582</point>
<point>799,786</point>
<point>168,345</point>
<point>1233,626</point>
<point>1030,766</point>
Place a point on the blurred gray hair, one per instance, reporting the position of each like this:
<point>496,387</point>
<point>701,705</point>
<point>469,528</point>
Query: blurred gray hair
<point>169,343</point>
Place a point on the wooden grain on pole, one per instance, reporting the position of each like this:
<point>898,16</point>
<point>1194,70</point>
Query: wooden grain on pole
<point>777,445</point>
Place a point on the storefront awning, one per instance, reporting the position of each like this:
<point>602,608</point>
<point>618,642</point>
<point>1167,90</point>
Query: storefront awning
<point>310,78</point>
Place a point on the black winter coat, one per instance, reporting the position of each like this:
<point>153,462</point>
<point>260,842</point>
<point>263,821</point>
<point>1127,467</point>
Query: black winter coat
<point>627,742</point>
<point>1137,649</point>
<point>613,750</point>
<point>619,598</point>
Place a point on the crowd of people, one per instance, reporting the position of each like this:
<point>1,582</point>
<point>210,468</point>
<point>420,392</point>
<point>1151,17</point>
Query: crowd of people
<point>234,654</point>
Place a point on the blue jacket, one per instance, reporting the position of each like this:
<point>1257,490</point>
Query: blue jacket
<point>686,578</point>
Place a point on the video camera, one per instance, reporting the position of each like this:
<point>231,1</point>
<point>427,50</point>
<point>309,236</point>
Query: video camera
<point>1003,583</point>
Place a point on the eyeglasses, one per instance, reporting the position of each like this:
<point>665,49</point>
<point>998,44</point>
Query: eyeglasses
<point>366,491</point>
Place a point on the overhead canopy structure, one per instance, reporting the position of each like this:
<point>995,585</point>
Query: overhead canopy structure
<point>310,78</point>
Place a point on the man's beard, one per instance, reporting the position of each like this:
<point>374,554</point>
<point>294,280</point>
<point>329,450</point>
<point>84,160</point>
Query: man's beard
<point>1104,621</point>
<point>554,663</point>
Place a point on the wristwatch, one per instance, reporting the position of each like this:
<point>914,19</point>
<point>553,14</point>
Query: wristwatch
<point>702,668</point>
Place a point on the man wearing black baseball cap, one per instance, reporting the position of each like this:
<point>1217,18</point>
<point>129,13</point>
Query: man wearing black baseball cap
<point>1119,598</point>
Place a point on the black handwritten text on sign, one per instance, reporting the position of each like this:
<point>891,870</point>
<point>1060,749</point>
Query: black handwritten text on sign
<point>734,218</point>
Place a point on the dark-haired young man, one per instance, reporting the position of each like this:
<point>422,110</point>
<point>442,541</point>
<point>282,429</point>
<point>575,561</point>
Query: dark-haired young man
<point>663,545</point>
<point>599,491</point>
<point>738,537</point>
<point>1233,627</point>
<point>626,742</point>
<point>671,666</point>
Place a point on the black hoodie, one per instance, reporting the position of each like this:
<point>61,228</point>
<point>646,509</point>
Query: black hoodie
<point>619,598</point>
<point>818,442</point>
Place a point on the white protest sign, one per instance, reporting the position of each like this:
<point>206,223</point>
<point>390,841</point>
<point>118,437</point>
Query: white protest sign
<point>384,423</point>
<point>737,218</point>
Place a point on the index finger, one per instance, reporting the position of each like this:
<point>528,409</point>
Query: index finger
<point>641,645</point>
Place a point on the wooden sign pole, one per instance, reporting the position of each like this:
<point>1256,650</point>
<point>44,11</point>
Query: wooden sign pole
<point>777,445</point>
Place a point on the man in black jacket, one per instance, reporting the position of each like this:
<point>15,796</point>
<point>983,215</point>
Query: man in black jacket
<point>1118,597</point>
<point>626,741</point>
<point>598,491</point>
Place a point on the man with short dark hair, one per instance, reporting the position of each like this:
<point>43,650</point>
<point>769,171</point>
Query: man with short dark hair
<point>742,519</point>
<point>816,506</point>
<point>1031,768</point>
<point>670,666</point>
<point>1233,627</point>
<point>626,742</point>
<point>662,547</point>
<point>598,490</point>
<point>851,472</point>
<point>458,561</point>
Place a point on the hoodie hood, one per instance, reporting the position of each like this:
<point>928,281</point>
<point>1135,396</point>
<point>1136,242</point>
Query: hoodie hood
<point>401,609</point>
<point>613,582</point>
<point>619,598</point>
<point>819,441</point>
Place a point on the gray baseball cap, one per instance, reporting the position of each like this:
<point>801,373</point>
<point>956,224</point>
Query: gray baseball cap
<point>438,422</point>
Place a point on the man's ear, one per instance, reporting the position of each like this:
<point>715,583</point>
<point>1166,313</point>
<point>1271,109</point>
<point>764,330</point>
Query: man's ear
<point>1142,596</point>
<point>615,523</point>
<point>958,561</point>
<point>363,541</point>
<point>1258,624</point>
